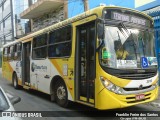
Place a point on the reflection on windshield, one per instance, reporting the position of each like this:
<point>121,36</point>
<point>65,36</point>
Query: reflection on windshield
<point>124,48</point>
<point>3,103</point>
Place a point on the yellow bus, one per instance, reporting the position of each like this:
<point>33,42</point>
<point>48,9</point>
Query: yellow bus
<point>103,58</point>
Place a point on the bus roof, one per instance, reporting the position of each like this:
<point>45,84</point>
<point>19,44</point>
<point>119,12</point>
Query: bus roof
<point>96,10</point>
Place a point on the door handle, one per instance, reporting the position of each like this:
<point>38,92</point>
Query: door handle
<point>46,76</point>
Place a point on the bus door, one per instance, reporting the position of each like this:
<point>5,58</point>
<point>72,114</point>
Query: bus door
<point>26,63</point>
<point>85,63</point>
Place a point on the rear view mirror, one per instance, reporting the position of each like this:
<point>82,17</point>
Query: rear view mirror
<point>15,100</point>
<point>100,28</point>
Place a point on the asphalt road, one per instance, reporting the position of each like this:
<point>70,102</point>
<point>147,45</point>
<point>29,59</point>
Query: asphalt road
<point>36,101</point>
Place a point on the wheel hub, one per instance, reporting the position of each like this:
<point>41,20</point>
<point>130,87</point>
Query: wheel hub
<point>15,83</point>
<point>61,93</point>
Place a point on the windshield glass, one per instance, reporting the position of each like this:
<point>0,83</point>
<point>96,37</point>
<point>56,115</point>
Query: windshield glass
<point>128,48</point>
<point>3,102</point>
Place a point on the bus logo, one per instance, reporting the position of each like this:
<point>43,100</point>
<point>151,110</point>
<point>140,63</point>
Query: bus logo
<point>140,87</point>
<point>144,62</point>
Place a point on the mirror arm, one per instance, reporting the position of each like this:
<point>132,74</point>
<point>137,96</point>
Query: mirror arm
<point>101,43</point>
<point>15,100</point>
<point>100,28</point>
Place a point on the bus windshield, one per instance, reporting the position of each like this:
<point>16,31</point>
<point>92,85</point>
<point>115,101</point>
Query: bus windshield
<point>125,48</point>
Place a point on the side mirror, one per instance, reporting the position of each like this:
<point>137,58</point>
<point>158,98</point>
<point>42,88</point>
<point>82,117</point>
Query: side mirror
<point>15,100</point>
<point>100,28</point>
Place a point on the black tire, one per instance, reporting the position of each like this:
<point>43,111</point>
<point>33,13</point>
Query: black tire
<point>15,81</point>
<point>61,95</point>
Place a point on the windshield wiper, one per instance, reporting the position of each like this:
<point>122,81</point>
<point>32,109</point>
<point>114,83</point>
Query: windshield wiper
<point>125,28</point>
<point>143,46</point>
<point>134,44</point>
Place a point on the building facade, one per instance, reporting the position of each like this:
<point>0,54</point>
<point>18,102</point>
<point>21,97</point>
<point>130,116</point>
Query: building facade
<point>6,21</point>
<point>11,26</point>
<point>43,13</point>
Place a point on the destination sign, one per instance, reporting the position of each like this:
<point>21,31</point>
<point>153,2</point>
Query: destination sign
<point>128,18</point>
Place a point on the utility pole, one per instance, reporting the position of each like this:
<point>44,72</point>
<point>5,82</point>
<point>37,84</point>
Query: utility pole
<point>65,9</point>
<point>86,6</point>
<point>30,2</point>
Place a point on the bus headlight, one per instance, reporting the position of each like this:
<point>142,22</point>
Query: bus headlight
<point>110,86</point>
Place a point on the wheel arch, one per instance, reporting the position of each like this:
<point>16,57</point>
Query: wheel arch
<point>52,85</point>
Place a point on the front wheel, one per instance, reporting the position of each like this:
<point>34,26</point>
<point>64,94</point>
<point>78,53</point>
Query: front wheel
<point>61,94</point>
<point>15,81</point>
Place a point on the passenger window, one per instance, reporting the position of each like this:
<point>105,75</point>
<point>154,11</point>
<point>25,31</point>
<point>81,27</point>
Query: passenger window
<point>40,47</point>
<point>5,52</point>
<point>60,42</point>
<point>17,51</point>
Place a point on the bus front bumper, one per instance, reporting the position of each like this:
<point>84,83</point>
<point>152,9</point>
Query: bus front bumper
<point>109,100</point>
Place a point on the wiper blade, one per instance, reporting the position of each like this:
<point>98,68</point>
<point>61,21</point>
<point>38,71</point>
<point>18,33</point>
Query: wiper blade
<point>134,44</point>
<point>143,46</point>
<point>120,29</point>
<point>124,27</point>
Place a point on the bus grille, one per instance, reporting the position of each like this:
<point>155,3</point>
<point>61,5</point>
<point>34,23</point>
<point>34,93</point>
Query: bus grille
<point>138,100</point>
<point>136,76</point>
<point>134,89</point>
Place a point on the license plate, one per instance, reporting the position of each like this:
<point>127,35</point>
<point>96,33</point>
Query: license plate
<point>140,97</point>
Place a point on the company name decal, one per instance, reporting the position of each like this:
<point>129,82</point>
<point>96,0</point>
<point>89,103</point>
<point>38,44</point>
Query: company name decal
<point>35,67</point>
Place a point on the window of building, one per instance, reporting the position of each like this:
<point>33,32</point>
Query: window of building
<point>40,47</point>
<point>60,42</point>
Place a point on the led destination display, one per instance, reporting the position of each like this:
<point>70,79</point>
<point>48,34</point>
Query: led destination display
<point>128,18</point>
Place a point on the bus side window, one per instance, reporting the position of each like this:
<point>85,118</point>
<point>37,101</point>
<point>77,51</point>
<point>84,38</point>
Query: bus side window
<point>5,50</point>
<point>40,47</point>
<point>60,42</point>
<point>15,52</point>
<point>19,47</point>
<point>12,52</point>
<point>9,54</point>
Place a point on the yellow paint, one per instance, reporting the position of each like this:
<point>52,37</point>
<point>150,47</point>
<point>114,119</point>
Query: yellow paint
<point>110,100</point>
<point>83,98</point>
<point>26,87</point>
<point>7,71</point>
<point>20,82</point>
<point>91,100</point>
<point>69,80</point>
<point>56,65</point>
<point>85,103</point>
<point>27,40</point>
<point>118,81</point>
<point>104,99</point>
<point>155,81</point>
